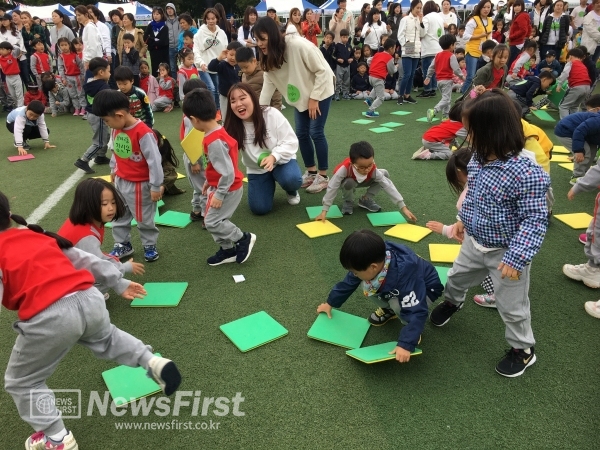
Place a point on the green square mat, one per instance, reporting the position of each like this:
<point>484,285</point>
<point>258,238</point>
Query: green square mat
<point>342,329</point>
<point>174,219</point>
<point>401,113</point>
<point>443,273</point>
<point>161,295</point>
<point>379,130</point>
<point>127,384</point>
<point>392,124</point>
<point>377,353</point>
<point>386,219</point>
<point>333,213</point>
<point>253,331</point>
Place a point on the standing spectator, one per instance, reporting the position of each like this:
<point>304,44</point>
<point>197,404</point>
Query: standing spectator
<point>117,25</point>
<point>310,26</point>
<point>10,33</point>
<point>272,13</point>
<point>364,12</point>
<point>430,46</point>
<point>341,20</point>
<point>138,36</point>
<point>578,13</point>
<point>378,5</point>
<point>156,38</point>
<point>448,16</point>
<point>61,28</point>
<point>245,34</point>
<point>293,23</point>
<point>223,23</point>
<point>394,18</point>
<point>410,32</point>
<point>30,31</point>
<point>186,23</point>
<point>520,29</point>
<point>555,30</point>
<point>373,30</point>
<point>92,46</point>
<point>478,29</point>
<point>541,8</point>
<point>172,23</point>
<point>98,18</point>
<point>44,26</point>
<point>590,37</point>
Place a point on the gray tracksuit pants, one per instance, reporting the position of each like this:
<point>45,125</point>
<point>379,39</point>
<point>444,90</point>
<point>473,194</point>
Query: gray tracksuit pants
<point>82,319</point>
<point>443,106</point>
<point>438,150</point>
<point>161,103</point>
<point>342,78</point>
<point>512,296</point>
<point>100,138</point>
<point>14,84</point>
<point>197,181</point>
<point>75,90</point>
<point>592,244</point>
<point>349,185</point>
<point>138,206</point>
<point>572,99</point>
<point>217,222</point>
<point>377,93</point>
<point>579,169</point>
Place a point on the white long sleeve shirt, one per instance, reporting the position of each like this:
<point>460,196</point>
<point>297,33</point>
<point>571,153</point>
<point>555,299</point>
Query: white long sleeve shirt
<point>92,43</point>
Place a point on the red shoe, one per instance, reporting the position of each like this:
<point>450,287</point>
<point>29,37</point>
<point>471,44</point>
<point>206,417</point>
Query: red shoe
<point>218,118</point>
<point>583,238</point>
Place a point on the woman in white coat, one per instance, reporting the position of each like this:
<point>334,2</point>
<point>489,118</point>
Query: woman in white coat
<point>591,31</point>
<point>92,43</point>
<point>245,34</point>
<point>410,33</point>
<point>373,29</point>
<point>430,46</point>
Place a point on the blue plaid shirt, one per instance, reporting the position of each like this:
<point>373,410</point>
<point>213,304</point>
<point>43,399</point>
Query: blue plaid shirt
<point>505,207</point>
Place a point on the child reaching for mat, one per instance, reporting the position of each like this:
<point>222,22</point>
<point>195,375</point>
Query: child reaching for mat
<point>439,138</point>
<point>169,164</point>
<point>27,122</point>
<point>51,286</point>
<point>502,224</point>
<point>359,171</point>
<point>398,281</point>
<point>95,203</point>
<point>578,77</point>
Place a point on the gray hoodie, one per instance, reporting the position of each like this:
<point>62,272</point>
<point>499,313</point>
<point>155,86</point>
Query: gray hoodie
<point>173,26</point>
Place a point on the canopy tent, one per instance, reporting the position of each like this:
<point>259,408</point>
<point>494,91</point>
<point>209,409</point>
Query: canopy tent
<point>44,12</point>
<point>330,6</point>
<point>139,11</point>
<point>282,7</point>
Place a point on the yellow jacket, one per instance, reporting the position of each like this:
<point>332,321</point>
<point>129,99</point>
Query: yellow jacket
<point>537,142</point>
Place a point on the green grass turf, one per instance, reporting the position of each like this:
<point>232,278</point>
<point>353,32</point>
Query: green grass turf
<point>301,393</point>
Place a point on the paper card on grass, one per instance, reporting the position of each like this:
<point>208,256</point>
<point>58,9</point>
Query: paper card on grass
<point>362,121</point>
<point>442,273</point>
<point>379,130</point>
<point>408,232</point>
<point>377,353</point>
<point>343,329</point>
<point>104,177</point>
<point>569,166</point>
<point>401,113</point>
<point>192,145</point>
<point>127,384</point>
<point>180,176</point>
<point>318,229</point>
<point>386,219</point>
<point>560,149</point>
<point>424,119</point>
<point>238,278</point>
<point>253,331</point>
<point>443,252</point>
<point>543,115</point>
<point>576,220</point>
<point>560,159</point>
<point>245,179</point>
<point>161,295</point>
<point>21,157</point>
<point>392,124</point>
<point>333,213</point>
<point>174,219</point>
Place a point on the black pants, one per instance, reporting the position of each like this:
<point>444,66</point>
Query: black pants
<point>29,132</point>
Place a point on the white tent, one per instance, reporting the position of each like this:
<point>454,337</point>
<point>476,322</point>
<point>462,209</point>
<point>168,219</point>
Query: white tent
<point>44,12</point>
<point>330,6</point>
<point>282,7</point>
<point>139,11</point>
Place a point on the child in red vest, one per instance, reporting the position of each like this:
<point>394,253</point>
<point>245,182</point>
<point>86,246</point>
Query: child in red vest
<point>34,94</point>
<point>136,170</point>
<point>70,68</point>
<point>187,71</point>
<point>166,88</point>
<point>9,63</point>
<point>438,139</point>
<point>148,82</point>
<point>40,61</point>
<point>358,171</point>
<point>518,69</point>
<point>579,83</point>
<point>50,285</point>
<point>382,65</point>
<point>223,180</point>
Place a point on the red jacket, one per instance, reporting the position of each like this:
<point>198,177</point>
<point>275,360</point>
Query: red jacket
<point>443,70</point>
<point>39,96</point>
<point>444,132</point>
<point>520,29</point>
<point>167,92</point>
<point>71,63</point>
<point>212,176</point>
<point>9,65</point>
<point>347,163</point>
<point>579,75</point>
<point>42,62</point>
<point>378,68</point>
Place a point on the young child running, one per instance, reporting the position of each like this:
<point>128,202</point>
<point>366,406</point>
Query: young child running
<point>438,139</point>
<point>444,67</point>
<point>70,68</point>
<point>382,65</point>
<point>398,281</point>
<point>169,163</point>
<point>95,203</point>
<point>9,64</point>
<point>166,88</point>
<point>136,170</point>
<point>61,298</point>
<point>223,185</point>
<point>359,171</point>
<point>579,83</point>
<point>502,224</point>
<point>139,103</point>
<point>188,70</point>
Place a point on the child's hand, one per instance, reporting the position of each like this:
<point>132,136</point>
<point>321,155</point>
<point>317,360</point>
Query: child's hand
<point>321,216</point>
<point>326,308</point>
<point>112,178</point>
<point>402,355</point>
<point>126,50</point>
<point>437,227</point>
<point>57,103</point>
<point>340,60</point>
<point>155,196</point>
<point>533,108</point>
<point>351,59</point>
<point>426,81</point>
<point>215,202</point>
<point>196,168</point>
<point>410,216</point>
<point>47,145</point>
<point>203,68</point>
<point>134,290</point>
<point>205,189</point>
<point>138,268</point>
<point>508,271</point>
<point>268,163</point>
<point>223,55</point>
<point>558,88</point>
<point>479,89</point>
<point>458,232</point>
<point>571,194</point>
<point>578,157</point>
<point>21,151</point>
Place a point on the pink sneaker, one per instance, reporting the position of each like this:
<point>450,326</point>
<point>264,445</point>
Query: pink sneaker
<point>485,300</point>
<point>76,112</point>
<point>39,441</point>
<point>82,112</point>
<point>583,238</point>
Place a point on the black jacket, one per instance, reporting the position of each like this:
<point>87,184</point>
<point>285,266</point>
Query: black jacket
<point>158,42</point>
<point>563,31</point>
<point>528,89</point>
<point>328,54</point>
<point>343,51</point>
<point>360,82</point>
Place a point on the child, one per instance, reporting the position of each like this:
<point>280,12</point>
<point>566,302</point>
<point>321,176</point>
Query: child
<point>382,65</point>
<point>459,52</point>
<point>169,163</point>
<point>131,57</point>
<point>223,184</point>
<point>492,75</point>
<point>34,94</point>
<point>9,63</point>
<point>460,40</point>
<point>343,58</point>
<point>524,91</point>
<point>166,86</point>
<point>327,48</point>
<point>549,63</point>
<point>185,24</point>
<point>188,39</point>
<point>589,64</point>
<point>27,122</point>
<point>58,97</point>
<point>501,234</point>
<point>516,72</point>
<point>187,70</point>
<point>452,29</point>
<point>228,73</point>
<point>40,61</point>
<point>579,83</point>
<point>51,286</point>
<point>457,82</point>
<point>253,75</point>
<point>399,282</point>
<point>70,69</point>
<point>78,46</point>
<point>136,171</point>
<point>358,40</point>
<point>95,203</point>
<point>139,103</point>
<point>391,81</point>
<point>444,67</point>
<point>100,68</point>
<point>358,171</point>
<point>498,33</point>
<point>356,53</point>
<point>148,82</point>
<point>366,54</point>
<point>438,139</point>
<point>487,50</point>
<point>361,89</point>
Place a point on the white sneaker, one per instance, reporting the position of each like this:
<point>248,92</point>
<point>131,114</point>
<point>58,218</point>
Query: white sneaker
<point>416,154</point>
<point>293,199</point>
<point>593,309</point>
<point>307,179</point>
<point>320,183</point>
<point>165,373</point>
<point>583,272</point>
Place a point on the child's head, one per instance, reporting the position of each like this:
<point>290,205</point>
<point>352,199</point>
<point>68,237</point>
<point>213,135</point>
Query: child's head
<point>128,40</point>
<point>328,38</point>
<point>533,33</point>
<point>357,32</point>
<point>459,52</point>
<point>77,45</point>
<point>452,29</point>
<point>165,148</point>
<point>5,48</point>
<point>366,51</point>
<point>188,38</point>
<point>246,60</point>
<point>361,67</point>
<point>113,108</point>
<point>144,68</point>
<point>487,48</point>
<point>461,62</point>
<point>547,79</point>
<point>193,83</point>
<point>362,156</point>
<point>461,30</point>
<point>456,169</point>
<point>100,68</point>
<point>363,254</point>
<point>124,79</point>
<point>455,112</point>
<point>550,56</point>
<point>593,103</point>
<point>50,85</point>
<point>389,46</point>
<point>575,53</point>
<point>530,47</point>
<point>64,45</point>
<point>199,106</point>
<point>494,126</point>
<point>187,57</point>
<point>499,24</point>
<point>500,55</point>
<point>231,50</point>
<point>357,53</point>
<point>344,36</point>
<point>163,70</point>
<point>447,42</point>
<point>384,37</point>
<point>95,201</point>
<point>34,110</point>
<point>33,88</point>
<point>38,45</point>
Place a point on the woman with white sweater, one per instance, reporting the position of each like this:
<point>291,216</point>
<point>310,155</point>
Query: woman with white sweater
<point>433,23</point>
<point>410,32</point>
<point>373,29</point>
<point>298,69</point>
<point>98,18</point>
<point>268,146</point>
<point>245,34</point>
<point>92,43</point>
<point>591,31</point>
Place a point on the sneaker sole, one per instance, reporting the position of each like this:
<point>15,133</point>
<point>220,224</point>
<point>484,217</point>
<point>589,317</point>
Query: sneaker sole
<point>448,319</point>
<point>380,324</point>
<point>586,281</point>
<point>124,255</point>
<point>582,241</point>
<point>514,375</point>
<point>225,261</point>
<point>484,305</point>
<point>171,377</point>
<point>151,259</point>
<point>316,190</point>
<point>369,209</point>
<point>252,242</point>
<point>591,310</point>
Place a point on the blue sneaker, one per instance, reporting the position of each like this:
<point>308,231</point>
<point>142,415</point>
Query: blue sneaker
<point>368,101</point>
<point>372,114</point>
<point>122,250</point>
<point>150,253</point>
<point>222,257</point>
<point>244,247</point>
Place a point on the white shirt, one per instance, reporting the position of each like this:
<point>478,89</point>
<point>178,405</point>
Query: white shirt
<point>105,35</point>
<point>374,37</point>
<point>449,18</point>
<point>578,15</point>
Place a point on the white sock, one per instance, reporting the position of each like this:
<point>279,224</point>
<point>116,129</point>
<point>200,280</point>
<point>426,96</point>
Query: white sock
<point>58,437</point>
<point>527,350</point>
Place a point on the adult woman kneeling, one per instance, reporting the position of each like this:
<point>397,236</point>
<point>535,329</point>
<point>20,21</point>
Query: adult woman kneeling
<point>268,145</point>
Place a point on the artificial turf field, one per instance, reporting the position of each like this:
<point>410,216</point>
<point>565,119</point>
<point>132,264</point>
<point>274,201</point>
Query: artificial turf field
<point>305,394</point>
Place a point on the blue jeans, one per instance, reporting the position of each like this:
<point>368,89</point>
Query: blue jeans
<point>212,84</point>
<point>409,66</point>
<point>311,131</point>
<point>261,186</point>
<point>425,63</point>
<point>471,69</point>
<point>172,62</point>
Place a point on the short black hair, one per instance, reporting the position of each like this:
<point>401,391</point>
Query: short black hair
<point>361,149</point>
<point>188,33</point>
<point>362,63</point>
<point>487,46</point>
<point>107,102</point>
<point>199,103</point>
<point>389,43</point>
<point>244,54</point>
<point>195,83</point>
<point>447,41</point>
<point>329,33</point>
<point>459,50</point>
<point>123,73</point>
<point>36,107</point>
<point>87,202</point>
<point>234,45</point>
<point>530,44</point>
<point>547,74</point>
<point>48,85</point>
<point>97,64</point>
<point>455,112</point>
<point>6,46</point>
<point>344,32</point>
<point>36,42</point>
<point>576,52</point>
<point>593,101</point>
<point>361,249</point>
<point>128,37</point>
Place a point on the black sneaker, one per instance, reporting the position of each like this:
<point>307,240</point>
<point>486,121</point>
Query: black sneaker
<point>81,164</point>
<point>381,316</point>
<point>431,94</point>
<point>244,247</point>
<point>222,257</point>
<point>410,100</point>
<point>196,217</point>
<point>101,160</point>
<point>400,100</point>
<point>515,362</point>
<point>441,314</point>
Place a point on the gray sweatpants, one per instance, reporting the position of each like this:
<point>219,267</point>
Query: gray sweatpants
<point>349,185</point>
<point>438,150</point>
<point>138,206</point>
<point>572,99</point>
<point>377,93</point>
<point>217,222</point>
<point>223,101</point>
<point>14,84</point>
<point>75,90</point>
<point>100,138</point>
<point>161,103</point>
<point>197,181</point>
<point>592,244</point>
<point>82,319</point>
<point>512,296</point>
<point>443,106</point>
<point>579,169</point>
<point>342,79</point>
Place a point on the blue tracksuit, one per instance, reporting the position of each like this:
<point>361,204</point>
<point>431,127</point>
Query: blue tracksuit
<point>411,279</point>
<point>580,127</point>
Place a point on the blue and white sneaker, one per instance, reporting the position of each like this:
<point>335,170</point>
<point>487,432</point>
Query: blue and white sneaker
<point>150,253</point>
<point>372,114</point>
<point>121,250</point>
<point>368,101</point>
